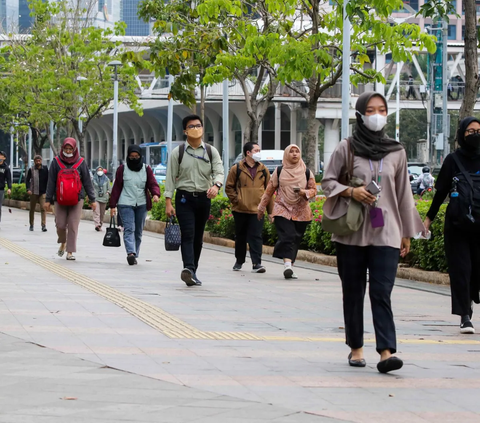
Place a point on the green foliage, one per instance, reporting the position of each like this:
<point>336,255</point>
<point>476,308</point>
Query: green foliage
<point>40,72</point>
<point>19,192</point>
<point>429,255</point>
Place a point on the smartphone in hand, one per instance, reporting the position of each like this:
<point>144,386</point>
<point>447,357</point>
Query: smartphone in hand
<point>296,189</point>
<point>373,188</point>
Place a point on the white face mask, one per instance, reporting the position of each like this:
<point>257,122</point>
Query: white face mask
<point>256,156</point>
<point>99,173</point>
<point>375,122</point>
<point>68,154</point>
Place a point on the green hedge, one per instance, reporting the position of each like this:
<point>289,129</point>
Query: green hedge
<point>427,255</point>
<point>19,193</point>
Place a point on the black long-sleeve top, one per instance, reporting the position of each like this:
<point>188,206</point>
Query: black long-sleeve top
<point>5,177</point>
<point>444,180</point>
<point>43,179</point>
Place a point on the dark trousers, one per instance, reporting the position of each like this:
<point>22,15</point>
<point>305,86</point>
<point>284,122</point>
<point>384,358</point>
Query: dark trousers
<point>290,234</point>
<point>248,229</point>
<point>463,257</point>
<point>382,262</point>
<point>192,214</point>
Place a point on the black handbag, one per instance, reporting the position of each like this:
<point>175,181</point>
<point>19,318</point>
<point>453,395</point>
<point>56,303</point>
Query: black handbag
<point>112,236</point>
<point>173,236</point>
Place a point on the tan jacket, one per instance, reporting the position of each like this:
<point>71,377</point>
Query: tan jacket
<point>245,193</point>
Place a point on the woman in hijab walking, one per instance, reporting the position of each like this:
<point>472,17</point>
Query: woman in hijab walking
<point>132,190</point>
<point>461,235</point>
<point>101,185</point>
<point>68,166</point>
<point>390,219</point>
<point>295,185</point>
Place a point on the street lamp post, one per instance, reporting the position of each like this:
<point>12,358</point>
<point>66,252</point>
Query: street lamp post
<point>345,72</point>
<point>115,64</point>
<point>80,122</point>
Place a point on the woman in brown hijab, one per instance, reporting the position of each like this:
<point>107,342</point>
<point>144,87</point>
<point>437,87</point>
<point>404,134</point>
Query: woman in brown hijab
<point>292,213</point>
<point>390,220</point>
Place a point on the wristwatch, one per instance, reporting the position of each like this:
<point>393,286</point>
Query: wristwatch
<point>218,184</point>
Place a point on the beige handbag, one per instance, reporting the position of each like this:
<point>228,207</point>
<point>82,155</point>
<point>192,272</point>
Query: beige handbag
<point>351,221</point>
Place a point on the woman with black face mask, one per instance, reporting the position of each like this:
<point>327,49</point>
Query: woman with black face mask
<point>459,178</point>
<point>132,190</point>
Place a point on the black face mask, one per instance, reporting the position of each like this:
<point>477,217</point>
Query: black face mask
<point>134,164</point>
<point>472,143</point>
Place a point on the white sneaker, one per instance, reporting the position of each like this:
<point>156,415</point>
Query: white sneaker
<point>294,276</point>
<point>467,327</point>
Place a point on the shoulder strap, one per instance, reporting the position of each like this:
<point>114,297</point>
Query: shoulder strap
<point>181,152</point>
<point>307,174</point>
<point>350,159</point>
<point>77,165</point>
<point>464,172</point>
<point>208,147</point>
<point>264,178</point>
<point>238,175</point>
<point>279,171</point>
<point>60,163</point>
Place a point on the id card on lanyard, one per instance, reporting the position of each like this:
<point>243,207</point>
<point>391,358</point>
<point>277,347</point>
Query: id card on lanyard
<point>376,213</point>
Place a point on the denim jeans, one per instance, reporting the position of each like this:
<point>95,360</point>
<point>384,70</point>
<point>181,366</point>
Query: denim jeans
<point>133,219</point>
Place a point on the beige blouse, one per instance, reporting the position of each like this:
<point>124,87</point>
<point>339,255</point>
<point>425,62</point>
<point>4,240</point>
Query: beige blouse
<point>300,211</point>
<point>401,218</point>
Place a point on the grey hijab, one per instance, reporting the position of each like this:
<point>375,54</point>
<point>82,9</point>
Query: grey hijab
<point>366,143</point>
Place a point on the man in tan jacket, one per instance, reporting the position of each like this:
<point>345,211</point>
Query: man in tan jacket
<point>246,183</point>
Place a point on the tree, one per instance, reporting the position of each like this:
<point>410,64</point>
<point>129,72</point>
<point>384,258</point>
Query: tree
<point>42,71</point>
<point>312,50</point>
<point>183,48</point>
<point>299,43</point>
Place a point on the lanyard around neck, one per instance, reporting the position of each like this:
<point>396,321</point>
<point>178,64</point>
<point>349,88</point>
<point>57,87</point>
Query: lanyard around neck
<point>380,168</point>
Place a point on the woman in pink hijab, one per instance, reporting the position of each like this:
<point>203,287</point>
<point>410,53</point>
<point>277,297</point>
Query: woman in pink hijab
<point>67,216</point>
<point>295,185</point>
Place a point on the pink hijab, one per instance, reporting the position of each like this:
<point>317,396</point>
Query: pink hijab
<point>292,176</point>
<point>73,143</point>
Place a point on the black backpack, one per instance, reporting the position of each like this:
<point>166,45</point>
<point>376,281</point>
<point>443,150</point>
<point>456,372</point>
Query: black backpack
<point>240,171</point>
<point>463,210</point>
<point>279,171</point>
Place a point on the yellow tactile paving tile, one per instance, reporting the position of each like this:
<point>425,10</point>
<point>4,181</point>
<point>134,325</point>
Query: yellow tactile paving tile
<point>170,325</point>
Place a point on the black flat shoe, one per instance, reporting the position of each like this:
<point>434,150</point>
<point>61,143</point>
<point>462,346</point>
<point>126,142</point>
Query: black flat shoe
<point>389,365</point>
<point>131,259</point>
<point>356,363</point>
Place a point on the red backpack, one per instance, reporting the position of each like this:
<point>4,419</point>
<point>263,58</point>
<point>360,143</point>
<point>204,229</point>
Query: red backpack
<point>69,184</point>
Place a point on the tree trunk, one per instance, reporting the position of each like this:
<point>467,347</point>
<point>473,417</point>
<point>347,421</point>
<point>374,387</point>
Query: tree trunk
<point>251,131</point>
<point>310,140</point>
<point>471,60</point>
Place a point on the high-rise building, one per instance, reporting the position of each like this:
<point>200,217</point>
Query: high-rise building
<point>135,26</point>
<point>24,19</point>
<point>9,15</point>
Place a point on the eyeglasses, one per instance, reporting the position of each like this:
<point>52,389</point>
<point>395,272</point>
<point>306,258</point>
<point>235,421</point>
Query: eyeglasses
<point>472,131</point>
<point>194,126</point>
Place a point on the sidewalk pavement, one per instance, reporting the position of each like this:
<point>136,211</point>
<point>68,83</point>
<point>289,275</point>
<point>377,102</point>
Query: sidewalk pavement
<point>248,347</point>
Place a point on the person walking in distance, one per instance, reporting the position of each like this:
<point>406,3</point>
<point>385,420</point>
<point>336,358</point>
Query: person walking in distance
<point>390,219</point>
<point>133,190</point>
<point>101,185</point>
<point>195,171</point>
<point>425,181</point>
<point>295,185</point>
<point>5,179</point>
<point>462,220</point>
<point>36,183</point>
<point>68,180</point>
<point>245,186</point>
<point>411,90</point>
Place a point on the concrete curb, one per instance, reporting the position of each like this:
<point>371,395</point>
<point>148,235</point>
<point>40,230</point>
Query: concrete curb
<point>156,226</point>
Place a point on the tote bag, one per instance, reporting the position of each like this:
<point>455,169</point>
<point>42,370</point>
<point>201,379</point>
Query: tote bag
<point>173,237</point>
<point>112,236</point>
